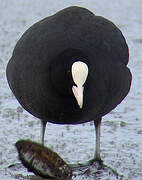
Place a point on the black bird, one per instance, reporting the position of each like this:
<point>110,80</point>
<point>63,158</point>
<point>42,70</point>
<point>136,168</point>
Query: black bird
<point>70,68</point>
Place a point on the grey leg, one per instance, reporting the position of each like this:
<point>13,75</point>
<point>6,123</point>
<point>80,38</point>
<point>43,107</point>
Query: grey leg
<point>97,124</point>
<point>43,127</point>
<point>97,157</point>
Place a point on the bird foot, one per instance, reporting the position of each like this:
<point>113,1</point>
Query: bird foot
<point>89,163</point>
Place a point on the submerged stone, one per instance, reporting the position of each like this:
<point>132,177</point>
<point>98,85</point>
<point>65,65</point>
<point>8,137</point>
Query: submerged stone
<point>42,161</point>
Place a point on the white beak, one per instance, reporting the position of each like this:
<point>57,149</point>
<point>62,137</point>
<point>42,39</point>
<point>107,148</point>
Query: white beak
<point>79,74</point>
<point>78,93</point>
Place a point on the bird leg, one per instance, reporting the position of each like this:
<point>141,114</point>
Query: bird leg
<point>43,127</point>
<point>97,157</point>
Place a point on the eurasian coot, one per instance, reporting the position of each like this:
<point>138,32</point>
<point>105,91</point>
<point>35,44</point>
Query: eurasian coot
<point>70,68</point>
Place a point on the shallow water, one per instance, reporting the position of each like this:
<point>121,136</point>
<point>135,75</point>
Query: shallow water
<point>121,146</point>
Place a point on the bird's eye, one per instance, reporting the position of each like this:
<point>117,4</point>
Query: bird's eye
<point>68,72</point>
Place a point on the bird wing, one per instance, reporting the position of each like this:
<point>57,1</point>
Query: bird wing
<point>119,86</point>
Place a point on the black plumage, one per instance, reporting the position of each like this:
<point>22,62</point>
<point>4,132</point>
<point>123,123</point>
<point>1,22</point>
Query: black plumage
<point>39,71</point>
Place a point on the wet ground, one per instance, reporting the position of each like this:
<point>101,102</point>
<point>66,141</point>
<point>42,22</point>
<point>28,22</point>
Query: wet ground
<point>121,131</point>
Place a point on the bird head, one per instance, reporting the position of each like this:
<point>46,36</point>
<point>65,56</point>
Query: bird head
<point>79,74</point>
